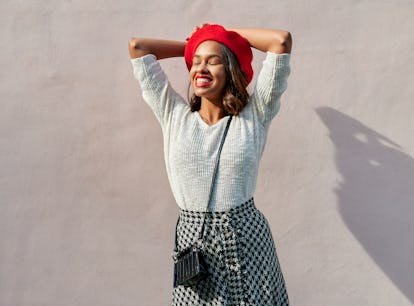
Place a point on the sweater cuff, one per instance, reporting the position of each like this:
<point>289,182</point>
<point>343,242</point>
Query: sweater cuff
<point>279,60</point>
<point>141,65</point>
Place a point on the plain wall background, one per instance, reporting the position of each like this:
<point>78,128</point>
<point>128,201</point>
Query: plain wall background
<point>86,214</point>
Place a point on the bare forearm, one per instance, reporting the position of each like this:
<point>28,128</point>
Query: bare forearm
<point>161,48</point>
<point>277,41</point>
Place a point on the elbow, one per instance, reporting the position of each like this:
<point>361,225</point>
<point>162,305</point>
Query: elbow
<point>286,42</point>
<point>134,47</point>
<point>133,43</point>
<point>282,43</point>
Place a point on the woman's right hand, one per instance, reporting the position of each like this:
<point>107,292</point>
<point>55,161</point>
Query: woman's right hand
<point>196,28</point>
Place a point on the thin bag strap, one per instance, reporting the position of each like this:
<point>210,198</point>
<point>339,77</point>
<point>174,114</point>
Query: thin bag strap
<point>201,233</point>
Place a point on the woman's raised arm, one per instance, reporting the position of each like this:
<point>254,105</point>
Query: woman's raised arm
<point>161,48</point>
<point>276,41</point>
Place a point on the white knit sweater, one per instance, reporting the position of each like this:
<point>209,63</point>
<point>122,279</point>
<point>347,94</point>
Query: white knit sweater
<point>191,145</point>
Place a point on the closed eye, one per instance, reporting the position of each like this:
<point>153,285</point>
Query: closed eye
<point>211,60</point>
<point>214,61</point>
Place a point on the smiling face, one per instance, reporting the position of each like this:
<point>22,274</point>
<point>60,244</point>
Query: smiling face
<point>208,75</point>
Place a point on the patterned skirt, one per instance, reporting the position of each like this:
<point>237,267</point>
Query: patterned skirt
<point>241,259</point>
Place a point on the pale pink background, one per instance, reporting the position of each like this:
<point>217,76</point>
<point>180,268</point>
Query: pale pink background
<point>86,213</point>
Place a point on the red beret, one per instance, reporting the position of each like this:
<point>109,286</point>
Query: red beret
<point>232,40</point>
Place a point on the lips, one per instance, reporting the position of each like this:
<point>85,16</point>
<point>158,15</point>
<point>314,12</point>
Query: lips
<point>203,81</point>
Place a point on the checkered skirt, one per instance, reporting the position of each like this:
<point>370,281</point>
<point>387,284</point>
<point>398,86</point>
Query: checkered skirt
<point>240,255</point>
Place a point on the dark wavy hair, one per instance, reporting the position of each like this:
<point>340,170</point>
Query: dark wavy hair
<point>235,95</point>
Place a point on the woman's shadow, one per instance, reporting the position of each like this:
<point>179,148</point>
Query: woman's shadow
<point>375,195</point>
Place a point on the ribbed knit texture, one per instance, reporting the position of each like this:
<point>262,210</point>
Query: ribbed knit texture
<point>191,145</point>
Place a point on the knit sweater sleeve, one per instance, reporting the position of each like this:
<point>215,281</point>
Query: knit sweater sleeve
<point>270,85</point>
<point>156,89</point>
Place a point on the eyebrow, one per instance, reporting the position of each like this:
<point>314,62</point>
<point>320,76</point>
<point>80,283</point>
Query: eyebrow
<point>208,56</point>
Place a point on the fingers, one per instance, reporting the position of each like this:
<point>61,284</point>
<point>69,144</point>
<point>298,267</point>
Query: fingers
<point>196,28</point>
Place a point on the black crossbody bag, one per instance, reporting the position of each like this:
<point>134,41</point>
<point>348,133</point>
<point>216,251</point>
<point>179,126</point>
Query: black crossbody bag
<point>189,265</point>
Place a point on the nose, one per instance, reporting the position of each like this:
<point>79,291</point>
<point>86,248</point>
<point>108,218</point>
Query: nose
<point>201,67</point>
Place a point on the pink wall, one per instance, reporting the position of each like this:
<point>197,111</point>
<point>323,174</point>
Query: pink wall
<point>86,213</point>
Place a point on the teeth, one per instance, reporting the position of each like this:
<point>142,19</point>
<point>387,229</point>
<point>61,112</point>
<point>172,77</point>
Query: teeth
<point>203,80</point>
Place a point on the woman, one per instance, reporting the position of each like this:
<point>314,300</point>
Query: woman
<point>237,242</point>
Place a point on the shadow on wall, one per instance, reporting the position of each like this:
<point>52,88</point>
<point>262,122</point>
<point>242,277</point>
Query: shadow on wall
<point>376,195</point>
